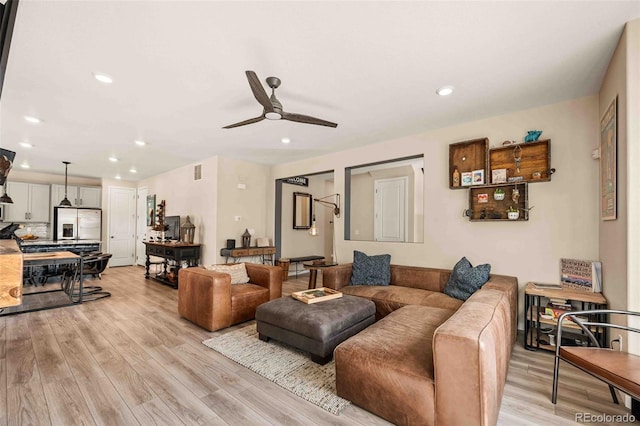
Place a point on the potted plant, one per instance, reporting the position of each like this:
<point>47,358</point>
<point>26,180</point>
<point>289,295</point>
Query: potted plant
<point>513,213</point>
<point>498,194</point>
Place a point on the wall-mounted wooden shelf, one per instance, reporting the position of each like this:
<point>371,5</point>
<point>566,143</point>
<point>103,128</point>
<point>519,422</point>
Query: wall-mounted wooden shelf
<point>496,210</point>
<point>535,157</point>
<point>468,156</point>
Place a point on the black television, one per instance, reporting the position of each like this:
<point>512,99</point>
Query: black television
<point>173,228</point>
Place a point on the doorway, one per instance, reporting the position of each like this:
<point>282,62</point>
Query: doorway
<point>292,242</point>
<point>121,226</point>
<point>391,209</point>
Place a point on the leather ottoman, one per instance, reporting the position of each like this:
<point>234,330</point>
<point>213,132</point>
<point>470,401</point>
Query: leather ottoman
<point>315,328</point>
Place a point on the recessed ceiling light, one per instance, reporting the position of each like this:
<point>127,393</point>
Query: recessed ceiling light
<point>33,120</point>
<point>102,78</point>
<point>133,170</point>
<point>25,166</point>
<point>286,140</point>
<point>445,90</point>
<point>140,143</point>
<point>26,145</point>
<point>118,177</point>
<point>113,159</point>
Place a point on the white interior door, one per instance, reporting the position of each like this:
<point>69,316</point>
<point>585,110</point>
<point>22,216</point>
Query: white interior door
<point>122,225</point>
<point>141,226</point>
<point>390,209</point>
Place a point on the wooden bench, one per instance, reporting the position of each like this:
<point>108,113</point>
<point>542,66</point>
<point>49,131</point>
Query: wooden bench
<point>620,370</point>
<point>301,259</point>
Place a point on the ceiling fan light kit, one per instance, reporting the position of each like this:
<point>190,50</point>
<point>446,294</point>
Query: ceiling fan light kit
<point>272,107</point>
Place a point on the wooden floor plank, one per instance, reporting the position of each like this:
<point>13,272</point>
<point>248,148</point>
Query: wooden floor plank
<point>51,361</point>
<point>3,392</point>
<point>67,404</point>
<point>27,405</point>
<point>21,362</point>
<point>131,359</point>
<point>130,385</point>
<point>182,402</point>
<point>105,403</point>
<point>80,361</point>
<point>156,412</point>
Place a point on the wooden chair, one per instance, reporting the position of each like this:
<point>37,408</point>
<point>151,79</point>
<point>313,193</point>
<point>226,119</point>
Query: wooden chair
<point>620,370</point>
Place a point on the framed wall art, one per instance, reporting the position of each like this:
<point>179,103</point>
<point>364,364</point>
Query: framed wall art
<point>151,210</point>
<point>608,162</point>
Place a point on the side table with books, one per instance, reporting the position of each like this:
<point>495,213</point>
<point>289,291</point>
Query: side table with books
<point>544,303</point>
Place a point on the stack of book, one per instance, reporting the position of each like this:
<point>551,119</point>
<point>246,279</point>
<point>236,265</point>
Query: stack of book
<point>557,307</point>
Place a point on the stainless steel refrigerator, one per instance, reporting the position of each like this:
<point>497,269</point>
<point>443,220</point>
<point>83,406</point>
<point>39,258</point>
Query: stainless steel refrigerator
<point>70,223</point>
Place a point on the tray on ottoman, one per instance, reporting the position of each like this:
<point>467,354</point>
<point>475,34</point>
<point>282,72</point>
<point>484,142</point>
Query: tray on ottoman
<point>315,328</point>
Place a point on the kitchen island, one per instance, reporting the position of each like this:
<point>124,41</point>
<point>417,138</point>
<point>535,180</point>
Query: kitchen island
<point>39,274</point>
<point>75,246</point>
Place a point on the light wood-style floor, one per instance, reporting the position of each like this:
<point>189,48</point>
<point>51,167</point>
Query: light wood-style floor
<point>129,359</point>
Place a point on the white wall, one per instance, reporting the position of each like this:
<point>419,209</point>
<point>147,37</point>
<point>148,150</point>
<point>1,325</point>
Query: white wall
<point>620,239</point>
<point>613,233</point>
<point>249,204</point>
<point>196,198</point>
<point>563,223</point>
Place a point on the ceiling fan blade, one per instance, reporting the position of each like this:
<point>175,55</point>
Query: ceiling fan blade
<point>306,119</point>
<point>258,91</point>
<point>242,123</point>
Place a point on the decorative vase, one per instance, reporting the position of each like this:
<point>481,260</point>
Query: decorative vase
<point>513,215</point>
<point>498,196</point>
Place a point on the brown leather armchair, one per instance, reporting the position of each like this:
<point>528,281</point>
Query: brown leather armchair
<point>208,299</point>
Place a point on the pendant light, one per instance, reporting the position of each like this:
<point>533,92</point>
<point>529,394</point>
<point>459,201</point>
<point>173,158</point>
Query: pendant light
<point>5,199</point>
<point>65,202</point>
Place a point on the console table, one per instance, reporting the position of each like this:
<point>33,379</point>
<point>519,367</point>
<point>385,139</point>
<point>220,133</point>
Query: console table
<point>265,253</point>
<point>536,299</point>
<point>188,254</point>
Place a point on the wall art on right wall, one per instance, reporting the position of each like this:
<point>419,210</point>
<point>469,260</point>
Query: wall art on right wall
<point>608,162</point>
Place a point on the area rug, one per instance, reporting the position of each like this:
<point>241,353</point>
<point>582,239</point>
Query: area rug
<point>286,366</point>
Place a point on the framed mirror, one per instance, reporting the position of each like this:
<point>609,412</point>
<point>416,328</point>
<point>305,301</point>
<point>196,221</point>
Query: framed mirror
<point>384,201</point>
<point>302,210</point>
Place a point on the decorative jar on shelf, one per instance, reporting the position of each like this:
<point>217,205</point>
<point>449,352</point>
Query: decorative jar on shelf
<point>513,213</point>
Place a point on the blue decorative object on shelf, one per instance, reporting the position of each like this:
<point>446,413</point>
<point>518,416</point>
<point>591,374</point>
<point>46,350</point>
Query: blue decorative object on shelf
<point>532,135</point>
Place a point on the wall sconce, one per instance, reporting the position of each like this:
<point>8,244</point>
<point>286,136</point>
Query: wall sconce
<point>313,231</point>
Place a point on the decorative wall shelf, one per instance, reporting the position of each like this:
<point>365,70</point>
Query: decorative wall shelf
<point>485,208</point>
<point>468,156</point>
<point>535,158</point>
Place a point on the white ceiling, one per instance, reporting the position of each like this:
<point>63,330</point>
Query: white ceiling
<point>372,67</point>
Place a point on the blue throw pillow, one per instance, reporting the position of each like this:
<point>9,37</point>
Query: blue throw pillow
<point>371,270</point>
<point>466,280</point>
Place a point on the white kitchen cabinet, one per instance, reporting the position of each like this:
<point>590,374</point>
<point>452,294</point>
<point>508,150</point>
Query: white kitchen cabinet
<point>89,196</point>
<point>30,202</point>
<point>80,196</point>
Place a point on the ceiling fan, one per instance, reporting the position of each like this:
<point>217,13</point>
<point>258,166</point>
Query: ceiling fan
<point>272,106</point>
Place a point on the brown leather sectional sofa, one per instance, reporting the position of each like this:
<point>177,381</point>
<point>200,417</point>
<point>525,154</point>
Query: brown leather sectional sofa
<point>430,359</point>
